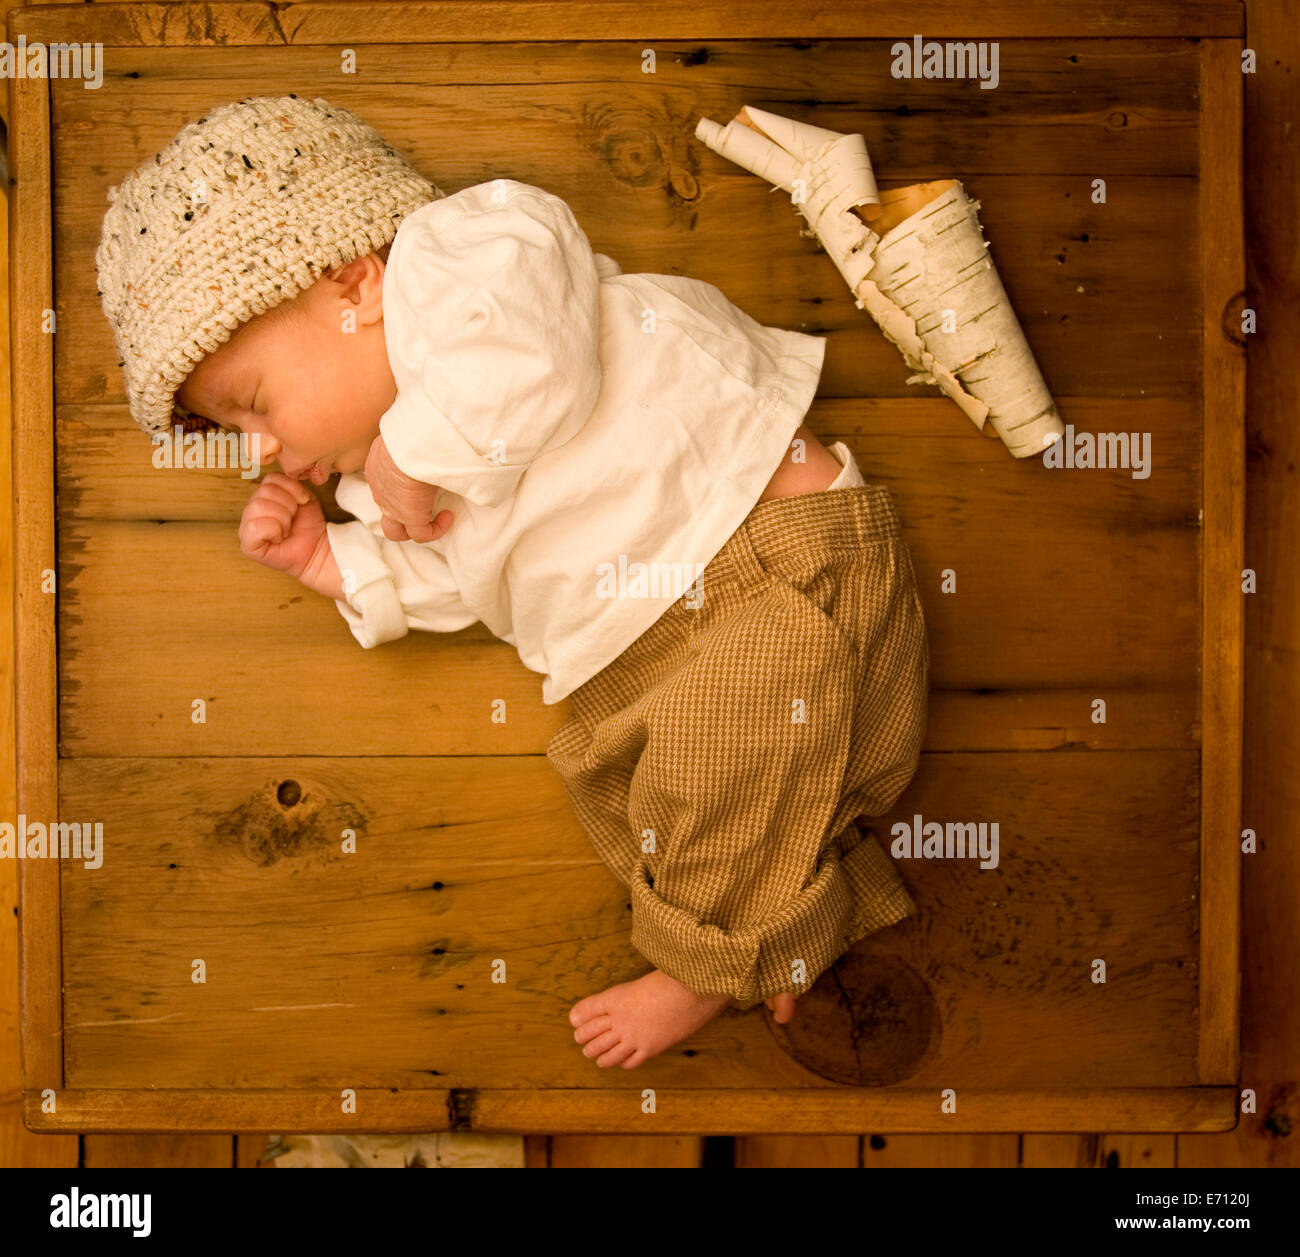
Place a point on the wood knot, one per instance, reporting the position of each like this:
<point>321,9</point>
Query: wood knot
<point>644,149</point>
<point>1230,320</point>
<point>284,818</point>
<point>868,1021</point>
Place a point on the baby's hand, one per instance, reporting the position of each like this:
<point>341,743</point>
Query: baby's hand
<point>407,504</point>
<point>283,526</point>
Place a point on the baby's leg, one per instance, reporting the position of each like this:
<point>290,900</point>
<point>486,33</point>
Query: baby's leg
<point>737,785</point>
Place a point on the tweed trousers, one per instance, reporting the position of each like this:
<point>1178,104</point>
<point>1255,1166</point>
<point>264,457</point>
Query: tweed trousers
<point>719,764</point>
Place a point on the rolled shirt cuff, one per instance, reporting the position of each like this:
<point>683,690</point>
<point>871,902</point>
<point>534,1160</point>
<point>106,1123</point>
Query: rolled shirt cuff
<point>371,606</point>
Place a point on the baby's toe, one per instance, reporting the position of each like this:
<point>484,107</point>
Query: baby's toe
<point>617,1054</point>
<point>586,1009</point>
<point>602,1043</point>
<point>590,1029</point>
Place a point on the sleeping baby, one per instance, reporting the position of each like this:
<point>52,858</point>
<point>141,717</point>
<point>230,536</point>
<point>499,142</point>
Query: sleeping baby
<point>610,471</point>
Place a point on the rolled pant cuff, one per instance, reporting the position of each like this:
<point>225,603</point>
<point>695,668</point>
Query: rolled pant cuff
<point>848,899</point>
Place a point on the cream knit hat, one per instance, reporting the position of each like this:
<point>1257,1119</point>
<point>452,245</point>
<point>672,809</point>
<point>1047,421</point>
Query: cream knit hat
<point>241,211</point>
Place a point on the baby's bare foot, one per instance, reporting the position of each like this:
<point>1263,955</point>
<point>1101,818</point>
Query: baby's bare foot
<point>633,1021</point>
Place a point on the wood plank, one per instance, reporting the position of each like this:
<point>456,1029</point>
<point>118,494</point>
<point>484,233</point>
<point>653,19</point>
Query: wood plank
<point>105,464</point>
<point>1140,1151</point>
<point>18,1146</point>
<point>30,297</point>
<point>1063,107</point>
<point>249,1151</point>
<point>165,24</point>
<point>1073,277</point>
<point>159,1151</point>
<point>1221,597</point>
<point>615,1152</point>
<point>1058,1152</point>
<point>1270,1013</point>
<point>493,20</point>
<point>377,966</point>
<point>1122,621</point>
<point>1136,1152</point>
<point>798,1152</point>
<point>94,448</point>
<point>996,1152</point>
<point>678,1111</point>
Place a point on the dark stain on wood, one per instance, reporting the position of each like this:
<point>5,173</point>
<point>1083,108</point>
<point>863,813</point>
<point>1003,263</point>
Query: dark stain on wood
<point>868,1021</point>
<point>460,1108</point>
<point>1280,1120</point>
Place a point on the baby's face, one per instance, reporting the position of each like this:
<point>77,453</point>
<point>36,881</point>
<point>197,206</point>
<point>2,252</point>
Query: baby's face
<point>310,388</point>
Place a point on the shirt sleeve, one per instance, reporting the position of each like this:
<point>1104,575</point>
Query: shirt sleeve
<point>390,587</point>
<point>491,320</point>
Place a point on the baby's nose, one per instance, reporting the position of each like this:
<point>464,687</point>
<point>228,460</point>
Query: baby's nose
<point>266,445</point>
<point>264,448</point>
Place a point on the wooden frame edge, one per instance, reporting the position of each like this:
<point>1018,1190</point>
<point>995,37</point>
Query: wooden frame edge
<point>1220,204</point>
<point>827,1111</point>
<point>1223,390</point>
<point>446,21</point>
<point>35,670</point>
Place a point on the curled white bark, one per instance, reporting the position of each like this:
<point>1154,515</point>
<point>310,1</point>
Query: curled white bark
<point>928,282</point>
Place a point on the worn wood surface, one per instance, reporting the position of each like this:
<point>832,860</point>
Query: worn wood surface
<point>1222,611</point>
<point>1164,716</point>
<point>35,560</point>
<point>418,695</point>
<point>1270,1032</point>
<point>18,1145</point>
<point>345,22</point>
<point>376,967</point>
<point>589,1111</point>
<point>1120,278</point>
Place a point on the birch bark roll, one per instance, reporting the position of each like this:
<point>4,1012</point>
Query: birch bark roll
<point>928,283</point>
<point>935,267</point>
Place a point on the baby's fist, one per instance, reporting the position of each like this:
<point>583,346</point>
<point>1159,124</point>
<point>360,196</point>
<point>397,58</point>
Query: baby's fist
<point>406,503</point>
<point>283,525</point>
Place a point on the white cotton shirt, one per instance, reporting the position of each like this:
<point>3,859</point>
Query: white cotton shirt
<point>578,422</point>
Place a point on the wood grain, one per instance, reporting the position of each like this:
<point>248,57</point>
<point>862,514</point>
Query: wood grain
<point>1015,674</point>
<point>1222,597</point>
<point>702,1112</point>
<point>1121,277</point>
<point>1270,1027</point>
<point>797,1152</point>
<point>247,641</point>
<point>172,1151</point>
<point>612,1152</point>
<point>894,1152</point>
<point>18,1145</point>
<point>497,20</point>
<point>465,860</point>
<point>30,298</point>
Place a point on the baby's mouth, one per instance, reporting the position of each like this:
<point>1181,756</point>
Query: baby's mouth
<point>315,473</point>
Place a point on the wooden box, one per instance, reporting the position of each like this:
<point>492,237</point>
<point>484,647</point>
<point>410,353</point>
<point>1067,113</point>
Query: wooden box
<point>370,975</point>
